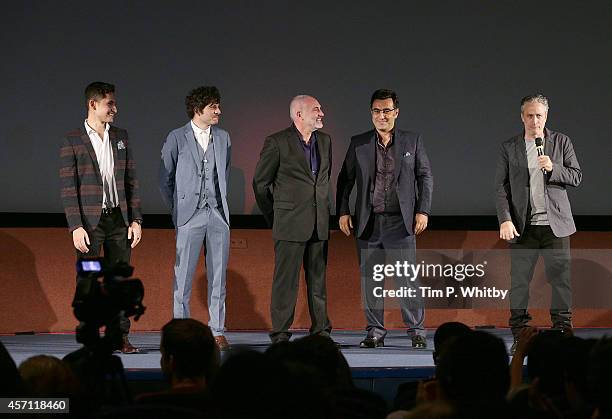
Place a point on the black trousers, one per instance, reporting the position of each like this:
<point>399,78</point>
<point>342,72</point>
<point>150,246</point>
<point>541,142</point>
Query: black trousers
<point>110,235</point>
<point>524,254</point>
<point>386,241</point>
<point>289,257</point>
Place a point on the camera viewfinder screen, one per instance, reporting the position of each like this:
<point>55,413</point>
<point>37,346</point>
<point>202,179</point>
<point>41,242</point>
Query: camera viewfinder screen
<point>91,266</point>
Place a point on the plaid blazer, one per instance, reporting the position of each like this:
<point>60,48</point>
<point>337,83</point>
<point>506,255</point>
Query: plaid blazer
<point>82,182</point>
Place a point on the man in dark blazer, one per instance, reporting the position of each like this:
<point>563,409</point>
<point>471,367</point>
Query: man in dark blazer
<point>291,186</point>
<point>534,212</point>
<point>99,186</point>
<point>394,190</point>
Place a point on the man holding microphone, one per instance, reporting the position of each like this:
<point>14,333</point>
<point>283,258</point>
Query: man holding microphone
<point>533,172</point>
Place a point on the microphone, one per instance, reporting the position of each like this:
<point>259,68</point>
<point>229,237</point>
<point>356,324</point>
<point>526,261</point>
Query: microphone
<point>539,143</point>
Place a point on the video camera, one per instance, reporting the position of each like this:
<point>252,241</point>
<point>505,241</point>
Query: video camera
<point>104,294</point>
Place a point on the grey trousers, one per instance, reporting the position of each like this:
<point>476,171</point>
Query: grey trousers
<point>384,241</point>
<point>208,227</point>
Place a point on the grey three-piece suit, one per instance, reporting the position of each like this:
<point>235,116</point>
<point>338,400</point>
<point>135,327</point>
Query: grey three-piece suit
<point>193,183</point>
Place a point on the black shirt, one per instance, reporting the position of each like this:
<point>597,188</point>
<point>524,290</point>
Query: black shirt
<point>384,199</point>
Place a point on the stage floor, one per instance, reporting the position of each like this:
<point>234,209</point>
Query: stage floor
<point>396,355</point>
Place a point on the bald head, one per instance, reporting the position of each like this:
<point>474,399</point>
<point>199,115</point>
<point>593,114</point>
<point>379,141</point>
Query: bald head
<point>306,113</point>
<point>297,105</point>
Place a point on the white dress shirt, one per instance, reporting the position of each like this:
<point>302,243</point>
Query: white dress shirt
<point>106,162</point>
<point>202,135</point>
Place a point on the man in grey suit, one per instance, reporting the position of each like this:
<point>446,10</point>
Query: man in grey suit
<point>291,186</point>
<point>194,173</point>
<point>394,190</point>
<point>533,172</point>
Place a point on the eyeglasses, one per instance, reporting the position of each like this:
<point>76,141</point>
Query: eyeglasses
<point>386,111</point>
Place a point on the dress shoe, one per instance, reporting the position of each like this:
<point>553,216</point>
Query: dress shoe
<point>419,342</point>
<point>327,335</point>
<point>280,338</point>
<point>566,330</point>
<point>371,342</point>
<point>128,348</point>
<point>222,343</point>
<point>514,345</point>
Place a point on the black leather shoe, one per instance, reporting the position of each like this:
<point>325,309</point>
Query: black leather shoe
<point>371,342</point>
<point>279,338</point>
<point>566,330</point>
<point>419,342</point>
<point>327,335</point>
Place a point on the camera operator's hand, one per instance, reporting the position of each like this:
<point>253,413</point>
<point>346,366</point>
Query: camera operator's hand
<point>80,239</point>
<point>135,231</point>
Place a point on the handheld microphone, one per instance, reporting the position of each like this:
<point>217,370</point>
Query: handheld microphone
<point>539,143</point>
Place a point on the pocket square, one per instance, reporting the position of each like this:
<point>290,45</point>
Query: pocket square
<point>407,154</point>
<point>120,145</point>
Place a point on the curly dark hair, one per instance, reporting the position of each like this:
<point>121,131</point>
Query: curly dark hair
<point>201,97</point>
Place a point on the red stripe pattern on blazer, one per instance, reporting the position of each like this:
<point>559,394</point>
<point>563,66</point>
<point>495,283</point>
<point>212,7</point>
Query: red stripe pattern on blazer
<point>81,181</point>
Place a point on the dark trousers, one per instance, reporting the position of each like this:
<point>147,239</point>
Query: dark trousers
<point>385,240</point>
<point>533,242</point>
<point>288,259</point>
<point>111,235</point>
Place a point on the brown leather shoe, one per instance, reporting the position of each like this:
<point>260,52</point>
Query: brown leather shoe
<point>128,348</point>
<point>222,343</point>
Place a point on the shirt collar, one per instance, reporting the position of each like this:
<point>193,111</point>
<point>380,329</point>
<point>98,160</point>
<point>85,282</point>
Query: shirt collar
<point>89,130</point>
<point>198,130</point>
<point>313,136</point>
<point>544,138</point>
<point>379,142</point>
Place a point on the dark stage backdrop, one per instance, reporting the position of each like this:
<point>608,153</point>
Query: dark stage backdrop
<point>460,68</point>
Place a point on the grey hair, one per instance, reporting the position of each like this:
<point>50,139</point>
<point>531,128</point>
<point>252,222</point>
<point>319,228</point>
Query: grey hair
<point>539,97</point>
<point>295,105</point>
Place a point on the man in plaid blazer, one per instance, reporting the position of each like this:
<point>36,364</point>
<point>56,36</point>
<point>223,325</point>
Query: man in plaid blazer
<point>99,186</point>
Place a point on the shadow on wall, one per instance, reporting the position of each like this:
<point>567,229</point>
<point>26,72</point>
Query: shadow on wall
<point>236,191</point>
<point>255,210</point>
<point>240,303</point>
<point>592,284</point>
<point>20,286</point>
